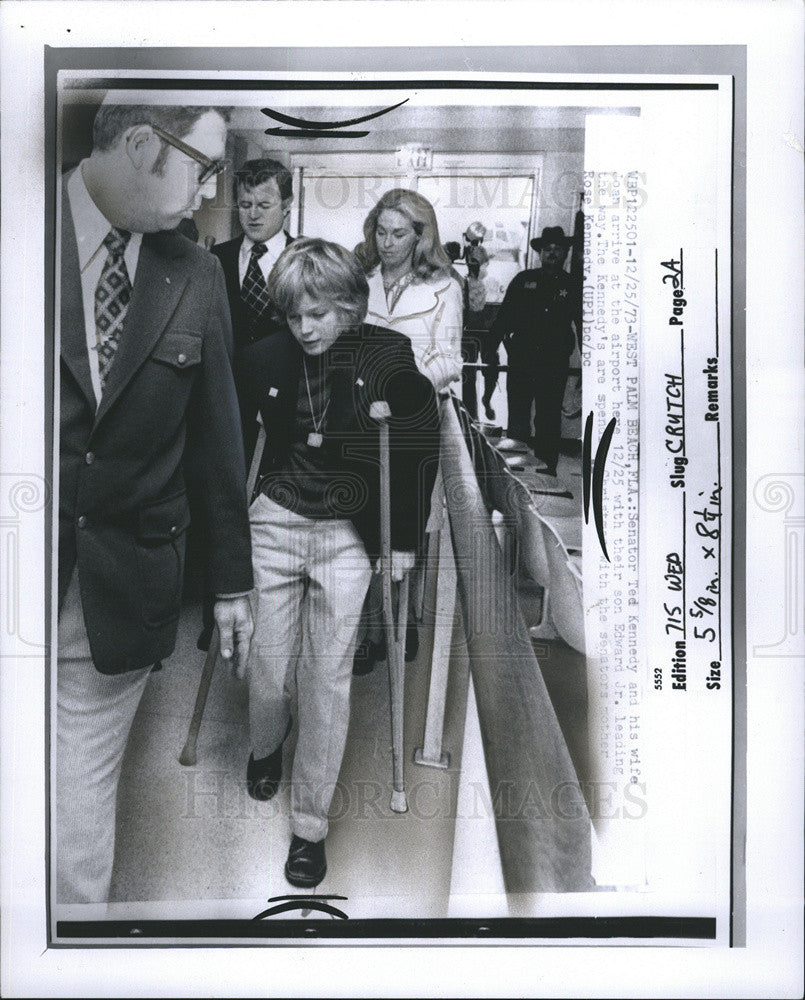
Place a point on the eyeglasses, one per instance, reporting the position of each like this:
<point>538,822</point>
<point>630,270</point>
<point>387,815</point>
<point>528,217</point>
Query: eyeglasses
<point>211,168</point>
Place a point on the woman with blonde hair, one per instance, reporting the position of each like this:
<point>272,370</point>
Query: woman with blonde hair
<point>412,288</point>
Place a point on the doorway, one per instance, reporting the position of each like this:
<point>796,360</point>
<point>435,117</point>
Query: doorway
<point>336,191</point>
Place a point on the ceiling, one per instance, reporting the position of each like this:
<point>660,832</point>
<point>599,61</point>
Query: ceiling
<point>446,127</point>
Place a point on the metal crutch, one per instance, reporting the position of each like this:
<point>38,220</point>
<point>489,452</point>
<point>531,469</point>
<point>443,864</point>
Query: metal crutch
<point>188,756</point>
<point>395,630</point>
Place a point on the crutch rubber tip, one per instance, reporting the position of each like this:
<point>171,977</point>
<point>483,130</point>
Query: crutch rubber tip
<point>187,758</point>
<point>398,802</point>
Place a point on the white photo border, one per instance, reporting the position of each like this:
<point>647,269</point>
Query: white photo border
<point>29,701</point>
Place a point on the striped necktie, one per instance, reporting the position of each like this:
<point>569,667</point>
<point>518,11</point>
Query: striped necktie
<point>254,292</point>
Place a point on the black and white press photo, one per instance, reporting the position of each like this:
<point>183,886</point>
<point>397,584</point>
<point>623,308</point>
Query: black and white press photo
<point>351,494</point>
<point>379,547</point>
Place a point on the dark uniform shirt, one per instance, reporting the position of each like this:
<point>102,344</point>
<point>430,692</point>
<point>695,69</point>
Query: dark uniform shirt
<point>534,320</point>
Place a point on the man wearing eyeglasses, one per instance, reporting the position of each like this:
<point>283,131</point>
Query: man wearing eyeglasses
<point>146,389</point>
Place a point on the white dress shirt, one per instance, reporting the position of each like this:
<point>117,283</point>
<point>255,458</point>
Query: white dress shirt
<point>91,228</point>
<point>274,248</point>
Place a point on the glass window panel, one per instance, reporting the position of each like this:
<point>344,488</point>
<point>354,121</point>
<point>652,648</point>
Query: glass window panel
<point>334,207</point>
<point>502,203</point>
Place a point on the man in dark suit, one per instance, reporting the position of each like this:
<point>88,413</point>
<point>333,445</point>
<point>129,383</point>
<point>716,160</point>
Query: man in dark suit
<point>263,190</point>
<point>264,194</point>
<point>146,382</point>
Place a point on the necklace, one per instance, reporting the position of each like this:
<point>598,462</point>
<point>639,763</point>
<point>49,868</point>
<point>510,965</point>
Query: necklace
<point>394,289</point>
<point>315,438</point>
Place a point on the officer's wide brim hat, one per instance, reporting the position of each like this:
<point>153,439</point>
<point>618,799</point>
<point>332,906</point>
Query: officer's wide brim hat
<point>551,234</point>
<point>475,231</point>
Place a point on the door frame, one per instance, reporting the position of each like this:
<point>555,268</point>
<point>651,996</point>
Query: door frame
<point>384,164</point>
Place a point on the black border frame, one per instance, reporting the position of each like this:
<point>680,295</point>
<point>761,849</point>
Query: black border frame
<point>604,60</point>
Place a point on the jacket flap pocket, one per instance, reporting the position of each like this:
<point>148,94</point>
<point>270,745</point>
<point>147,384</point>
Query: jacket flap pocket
<point>178,348</point>
<point>164,520</point>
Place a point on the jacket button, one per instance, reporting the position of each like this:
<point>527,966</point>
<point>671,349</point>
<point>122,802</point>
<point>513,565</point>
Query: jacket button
<point>174,531</point>
<point>182,358</point>
<point>82,522</point>
<point>89,458</point>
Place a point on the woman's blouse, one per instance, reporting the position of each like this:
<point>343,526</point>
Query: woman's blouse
<point>429,313</point>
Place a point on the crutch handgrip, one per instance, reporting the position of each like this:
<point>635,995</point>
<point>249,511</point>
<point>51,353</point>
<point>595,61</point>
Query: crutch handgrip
<point>380,410</point>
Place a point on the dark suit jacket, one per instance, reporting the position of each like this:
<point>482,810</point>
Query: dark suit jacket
<point>243,331</point>
<point>123,510</point>
<point>228,254</point>
<point>369,364</point>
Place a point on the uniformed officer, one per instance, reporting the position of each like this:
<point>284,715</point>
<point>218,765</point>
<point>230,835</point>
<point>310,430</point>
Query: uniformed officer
<point>535,323</point>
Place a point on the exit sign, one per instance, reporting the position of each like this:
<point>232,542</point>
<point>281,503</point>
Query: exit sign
<point>416,157</point>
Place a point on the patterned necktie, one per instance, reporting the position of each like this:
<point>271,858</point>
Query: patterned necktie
<point>111,299</point>
<point>254,292</point>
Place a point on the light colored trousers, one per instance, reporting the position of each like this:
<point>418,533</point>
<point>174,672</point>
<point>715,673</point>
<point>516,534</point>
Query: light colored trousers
<point>93,721</point>
<point>311,577</point>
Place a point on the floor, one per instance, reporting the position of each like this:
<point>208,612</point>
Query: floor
<point>195,834</point>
